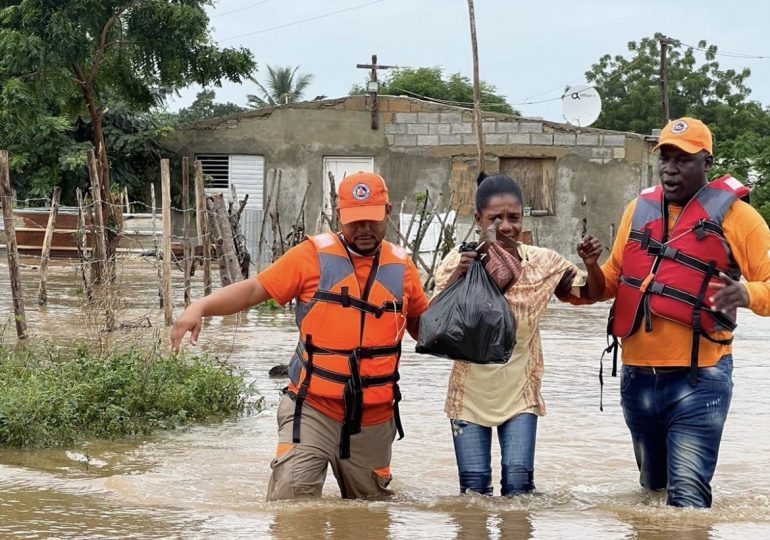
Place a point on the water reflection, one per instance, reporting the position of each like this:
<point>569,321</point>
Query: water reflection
<point>210,481</point>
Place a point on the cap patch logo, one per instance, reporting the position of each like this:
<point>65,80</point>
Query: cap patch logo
<point>361,192</point>
<point>679,127</point>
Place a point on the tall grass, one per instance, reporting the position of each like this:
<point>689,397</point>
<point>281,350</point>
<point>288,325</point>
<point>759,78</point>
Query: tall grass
<point>54,397</point>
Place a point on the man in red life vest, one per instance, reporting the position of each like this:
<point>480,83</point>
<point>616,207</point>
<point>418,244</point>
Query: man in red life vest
<point>675,270</point>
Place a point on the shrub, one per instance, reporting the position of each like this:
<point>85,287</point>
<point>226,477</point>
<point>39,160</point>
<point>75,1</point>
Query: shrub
<point>49,397</point>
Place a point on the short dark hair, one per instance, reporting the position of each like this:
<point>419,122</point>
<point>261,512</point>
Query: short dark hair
<point>496,184</point>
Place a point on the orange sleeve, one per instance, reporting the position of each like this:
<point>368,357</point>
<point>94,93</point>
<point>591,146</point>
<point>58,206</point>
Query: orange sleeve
<point>294,275</point>
<point>749,238</point>
<point>413,290</point>
<point>611,267</point>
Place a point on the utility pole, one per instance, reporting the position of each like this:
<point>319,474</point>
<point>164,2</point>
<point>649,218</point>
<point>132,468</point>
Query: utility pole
<point>373,86</point>
<point>664,111</point>
<point>476,89</point>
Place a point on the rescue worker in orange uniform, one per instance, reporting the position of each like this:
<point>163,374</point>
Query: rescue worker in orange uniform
<point>675,270</point>
<point>356,295</point>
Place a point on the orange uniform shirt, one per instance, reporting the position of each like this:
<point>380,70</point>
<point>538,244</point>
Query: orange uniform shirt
<point>669,343</point>
<point>296,275</point>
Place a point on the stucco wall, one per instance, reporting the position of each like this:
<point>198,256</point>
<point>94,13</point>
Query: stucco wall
<point>420,145</point>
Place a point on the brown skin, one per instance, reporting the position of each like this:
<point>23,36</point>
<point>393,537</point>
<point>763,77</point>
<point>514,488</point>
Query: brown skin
<point>364,236</point>
<point>682,175</point>
<point>505,212</point>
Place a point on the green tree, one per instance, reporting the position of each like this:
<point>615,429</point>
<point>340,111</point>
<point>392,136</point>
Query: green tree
<point>283,85</point>
<point>630,92</point>
<point>204,106</point>
<point>430,83</point>
<point>132,139</point>
<point>79,58</point>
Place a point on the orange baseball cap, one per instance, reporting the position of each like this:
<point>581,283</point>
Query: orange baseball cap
<point>686,133</point>
<point>362,197</point>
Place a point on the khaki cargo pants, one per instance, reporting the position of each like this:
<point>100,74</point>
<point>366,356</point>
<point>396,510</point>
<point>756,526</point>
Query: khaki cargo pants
<point>299,470</point>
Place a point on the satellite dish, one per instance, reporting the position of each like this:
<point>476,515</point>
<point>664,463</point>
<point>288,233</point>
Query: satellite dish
<point>581,105</point>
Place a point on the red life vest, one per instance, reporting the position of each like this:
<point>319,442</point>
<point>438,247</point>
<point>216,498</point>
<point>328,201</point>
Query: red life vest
<point>350,339</point>
<point>668,274</point>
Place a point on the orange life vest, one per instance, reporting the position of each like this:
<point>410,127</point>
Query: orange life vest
<point>350,339</point>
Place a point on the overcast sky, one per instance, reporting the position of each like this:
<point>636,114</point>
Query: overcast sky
<point>528,49</point>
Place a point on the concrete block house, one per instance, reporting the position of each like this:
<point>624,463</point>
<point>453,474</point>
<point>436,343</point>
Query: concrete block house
<point>418,146</point>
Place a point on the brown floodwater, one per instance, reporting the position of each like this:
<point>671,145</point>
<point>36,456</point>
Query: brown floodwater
<point>210,481</point>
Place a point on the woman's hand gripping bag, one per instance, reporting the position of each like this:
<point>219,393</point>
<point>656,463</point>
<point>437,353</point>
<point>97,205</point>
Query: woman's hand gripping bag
<point>470,320</point>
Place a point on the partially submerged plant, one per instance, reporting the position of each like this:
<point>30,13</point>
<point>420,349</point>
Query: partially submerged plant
<point>55,397</point>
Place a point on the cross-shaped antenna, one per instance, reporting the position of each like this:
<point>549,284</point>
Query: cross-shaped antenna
<point>373,85</point>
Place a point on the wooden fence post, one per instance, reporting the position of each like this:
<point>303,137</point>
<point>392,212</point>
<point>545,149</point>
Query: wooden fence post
<point>6,197</point>
<point>275,219</point>
<point>403,239</point>
<point>202,222</point>
<point>235,210</point>
<point>100,253</point>
<point>231,265</point>
<point>186,228</point>
<point>42,293</point>
<point>165,180</point>
<point>333,221</point>
<point>83,247</point>
<point>155,246</point>
<point>265,213</point>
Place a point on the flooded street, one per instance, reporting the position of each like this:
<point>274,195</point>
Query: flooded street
<point>210,481</point>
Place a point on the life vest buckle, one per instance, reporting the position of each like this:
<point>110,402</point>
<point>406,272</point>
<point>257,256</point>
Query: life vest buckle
<point>700,230</point>
<point>345,297</point>
<point>669,252</point>
<point>645,243</point>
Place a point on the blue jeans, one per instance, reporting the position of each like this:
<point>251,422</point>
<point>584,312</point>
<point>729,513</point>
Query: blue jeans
<point>473,450</point>
<point>676,427</point>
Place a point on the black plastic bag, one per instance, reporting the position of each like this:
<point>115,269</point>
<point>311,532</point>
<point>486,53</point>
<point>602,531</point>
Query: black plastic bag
<point>470,320</point>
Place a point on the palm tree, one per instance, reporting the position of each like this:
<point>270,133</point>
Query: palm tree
<point>282,87</point>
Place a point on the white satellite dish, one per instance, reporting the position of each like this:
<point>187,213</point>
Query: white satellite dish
<point>581,105</point>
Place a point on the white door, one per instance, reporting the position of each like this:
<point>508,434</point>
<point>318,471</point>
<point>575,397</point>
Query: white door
<point>341,166</point>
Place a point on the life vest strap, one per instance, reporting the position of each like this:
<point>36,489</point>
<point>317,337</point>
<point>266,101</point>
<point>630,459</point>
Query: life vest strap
<point>366,381</point>
<point>345,300</point>
<point>363,352</point>
<point>302,391</point>
<point>697,329</point>
<point>682,296</point>
<point>396,412</point>
<point>705,226</point>
<point>353,399</point>
<point>657,249</point>
<point>353,387</point>
<point>613,348</point>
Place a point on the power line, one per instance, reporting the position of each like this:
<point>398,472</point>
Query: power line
<point>250,6</point>
<point>727,53</point>
<point>239,9</point>
<point>618,73</point>
<point>560,87</point>
<point>264,30</point>
<point>449,101</point>
<point>527,101</point>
